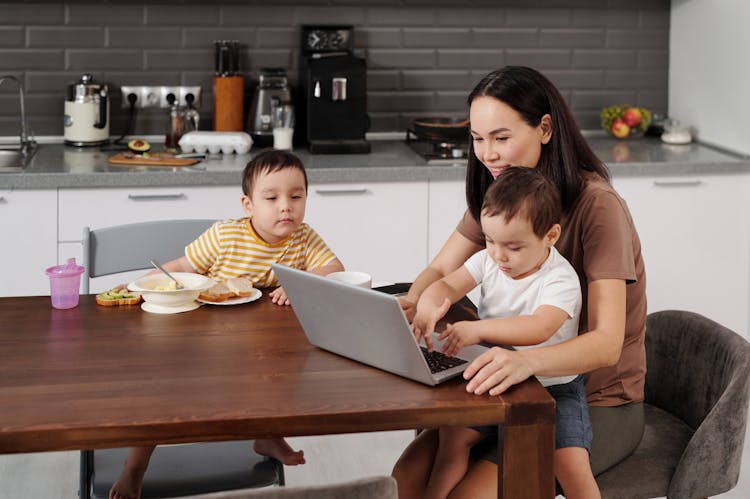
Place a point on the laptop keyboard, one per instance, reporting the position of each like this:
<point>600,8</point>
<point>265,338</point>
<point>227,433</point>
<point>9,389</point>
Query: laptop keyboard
<point>438,361</point>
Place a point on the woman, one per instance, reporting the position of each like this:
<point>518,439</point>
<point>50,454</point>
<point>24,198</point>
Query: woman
<point>519,118</point>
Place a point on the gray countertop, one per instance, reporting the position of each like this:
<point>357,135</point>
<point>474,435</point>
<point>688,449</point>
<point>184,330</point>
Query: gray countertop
<point>55,165</point>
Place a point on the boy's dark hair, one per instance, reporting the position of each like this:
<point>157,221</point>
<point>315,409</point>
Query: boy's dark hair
<point>521,189</point>
<point>567,156</point>
<point>269,161</point>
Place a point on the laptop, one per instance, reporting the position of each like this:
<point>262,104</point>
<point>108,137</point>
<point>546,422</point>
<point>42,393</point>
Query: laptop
<point>367,326</point>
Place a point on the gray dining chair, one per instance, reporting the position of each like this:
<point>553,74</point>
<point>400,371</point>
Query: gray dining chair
<point>696,409</point>
<point>122,248</point>
<point>377,487</point>
<point>174,470</point>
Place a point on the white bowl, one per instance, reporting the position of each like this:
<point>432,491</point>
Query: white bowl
<point>193,285</point>
<point>360,279</point>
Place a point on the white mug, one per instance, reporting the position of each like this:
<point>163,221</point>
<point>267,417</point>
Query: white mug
<point>354,278</point>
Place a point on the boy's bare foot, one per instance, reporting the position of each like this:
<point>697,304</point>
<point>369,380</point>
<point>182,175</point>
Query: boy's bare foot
<point>128,484</point>
<point>279,449</point>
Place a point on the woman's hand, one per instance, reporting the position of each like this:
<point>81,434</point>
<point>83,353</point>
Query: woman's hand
<point>496,370</point>
<point>278,296</point>
<point>457,336</point>
<point>425,319</point>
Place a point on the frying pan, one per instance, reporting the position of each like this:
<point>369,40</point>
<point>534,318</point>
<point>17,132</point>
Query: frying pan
<point>452,130</point>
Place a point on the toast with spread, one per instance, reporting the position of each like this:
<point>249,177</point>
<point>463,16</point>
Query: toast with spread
<point>118,296</point>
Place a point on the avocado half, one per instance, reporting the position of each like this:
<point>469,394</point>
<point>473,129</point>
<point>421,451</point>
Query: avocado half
<point>139,145</point>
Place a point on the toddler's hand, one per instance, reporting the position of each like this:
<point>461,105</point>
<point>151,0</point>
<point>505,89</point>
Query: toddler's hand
<point>278,296</point>
<point>425,319</point>
<point>458,336</point>
<point>409,308</point>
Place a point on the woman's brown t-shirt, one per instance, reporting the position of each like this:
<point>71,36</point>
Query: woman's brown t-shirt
<point>600,240</point>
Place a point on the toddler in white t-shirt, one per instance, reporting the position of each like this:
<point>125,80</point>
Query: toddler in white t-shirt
<point>530,297</point>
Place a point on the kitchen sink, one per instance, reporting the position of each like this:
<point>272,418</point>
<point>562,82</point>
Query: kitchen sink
<point>15,159</point>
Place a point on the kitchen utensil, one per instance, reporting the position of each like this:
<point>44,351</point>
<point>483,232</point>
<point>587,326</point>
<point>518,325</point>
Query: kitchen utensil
<point>177,283</point>
<point>153,159</point>
<point>228,103</point>
<point>273,87</point>
<point>86,119</point>
<point>65,283</point>
<point>229,88</point>
<point>442,129</point>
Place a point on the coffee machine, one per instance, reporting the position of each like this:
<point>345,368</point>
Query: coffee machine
<point>333,84</point>
<point>273,89</point>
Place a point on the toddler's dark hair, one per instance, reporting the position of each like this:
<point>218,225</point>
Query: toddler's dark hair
<point>519,189</point>
<point>269,161</point>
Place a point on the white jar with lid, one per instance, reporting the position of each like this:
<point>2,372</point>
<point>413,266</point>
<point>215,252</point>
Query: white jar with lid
<point>676,133</point>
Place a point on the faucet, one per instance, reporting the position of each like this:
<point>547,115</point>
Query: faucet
<point>27,142</point>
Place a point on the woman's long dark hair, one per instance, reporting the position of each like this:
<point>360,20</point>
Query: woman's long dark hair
<point>564,159</point>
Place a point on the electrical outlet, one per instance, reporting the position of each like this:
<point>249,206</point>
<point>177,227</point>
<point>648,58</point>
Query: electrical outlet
<point>156,96</point>
<point>126,91</point>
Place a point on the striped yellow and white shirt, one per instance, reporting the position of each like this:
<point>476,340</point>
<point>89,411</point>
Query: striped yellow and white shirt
<point>232,248</point>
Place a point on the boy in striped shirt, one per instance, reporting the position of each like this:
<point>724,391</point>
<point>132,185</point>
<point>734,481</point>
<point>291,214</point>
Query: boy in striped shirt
<point>274,187</point>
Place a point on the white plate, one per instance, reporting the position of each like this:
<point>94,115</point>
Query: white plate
<point>161,309</point>
<point>236,301</point>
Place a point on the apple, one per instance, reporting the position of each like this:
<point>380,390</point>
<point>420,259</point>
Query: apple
<point>621,152</point>
<point>632,116</point>
<point>619,128</point>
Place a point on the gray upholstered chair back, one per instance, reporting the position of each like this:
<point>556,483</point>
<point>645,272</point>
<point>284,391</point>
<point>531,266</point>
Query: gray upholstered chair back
<point>699,371</point>
<point>122,248</point>
<point>696,406</point>
<point>377,487</point>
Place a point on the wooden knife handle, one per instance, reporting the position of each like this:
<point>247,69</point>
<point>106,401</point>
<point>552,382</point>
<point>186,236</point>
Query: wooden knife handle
<point>228,103</point>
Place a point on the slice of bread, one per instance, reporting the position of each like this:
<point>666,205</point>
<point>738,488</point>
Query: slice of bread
<point>118,296</point>
<point>216,293</point>
<point>240,286</point>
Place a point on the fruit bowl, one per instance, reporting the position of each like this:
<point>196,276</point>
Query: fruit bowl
<point>625,121</point>
<point>158,289</point>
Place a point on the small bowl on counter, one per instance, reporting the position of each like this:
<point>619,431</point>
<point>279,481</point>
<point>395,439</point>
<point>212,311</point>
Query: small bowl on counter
<point>160,291</point>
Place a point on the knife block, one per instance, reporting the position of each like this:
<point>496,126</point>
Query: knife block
<point>228,103</point>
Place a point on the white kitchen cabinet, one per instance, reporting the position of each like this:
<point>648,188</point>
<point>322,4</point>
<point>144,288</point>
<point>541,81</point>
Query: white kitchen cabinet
<point>100,207</point>
<point>28,223</point>
<point>379,227</point>
<point>97,208</point>
<point>447,206</point>
<point>695,234</point>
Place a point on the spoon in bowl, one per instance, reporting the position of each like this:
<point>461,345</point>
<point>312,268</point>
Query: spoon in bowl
<point>156,264</point>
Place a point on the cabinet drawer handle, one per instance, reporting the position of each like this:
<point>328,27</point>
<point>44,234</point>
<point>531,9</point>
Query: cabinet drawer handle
<point>339,192</point>
<point>677,183</point>
<point>155,197</point>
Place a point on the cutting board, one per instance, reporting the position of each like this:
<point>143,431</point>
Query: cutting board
<point>153,159</point>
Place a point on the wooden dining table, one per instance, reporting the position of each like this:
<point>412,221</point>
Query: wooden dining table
<point>97,377</point>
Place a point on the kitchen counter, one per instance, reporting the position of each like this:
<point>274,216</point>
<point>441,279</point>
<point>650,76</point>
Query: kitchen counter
<point>55,165</point>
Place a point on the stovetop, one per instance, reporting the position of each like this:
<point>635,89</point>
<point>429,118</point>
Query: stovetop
<point>437,153</point>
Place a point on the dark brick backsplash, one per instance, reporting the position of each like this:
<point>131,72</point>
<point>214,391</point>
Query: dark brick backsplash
<point>423,56</point>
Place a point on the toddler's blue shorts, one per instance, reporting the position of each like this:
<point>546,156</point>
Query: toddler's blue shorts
<point>572,422</point>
